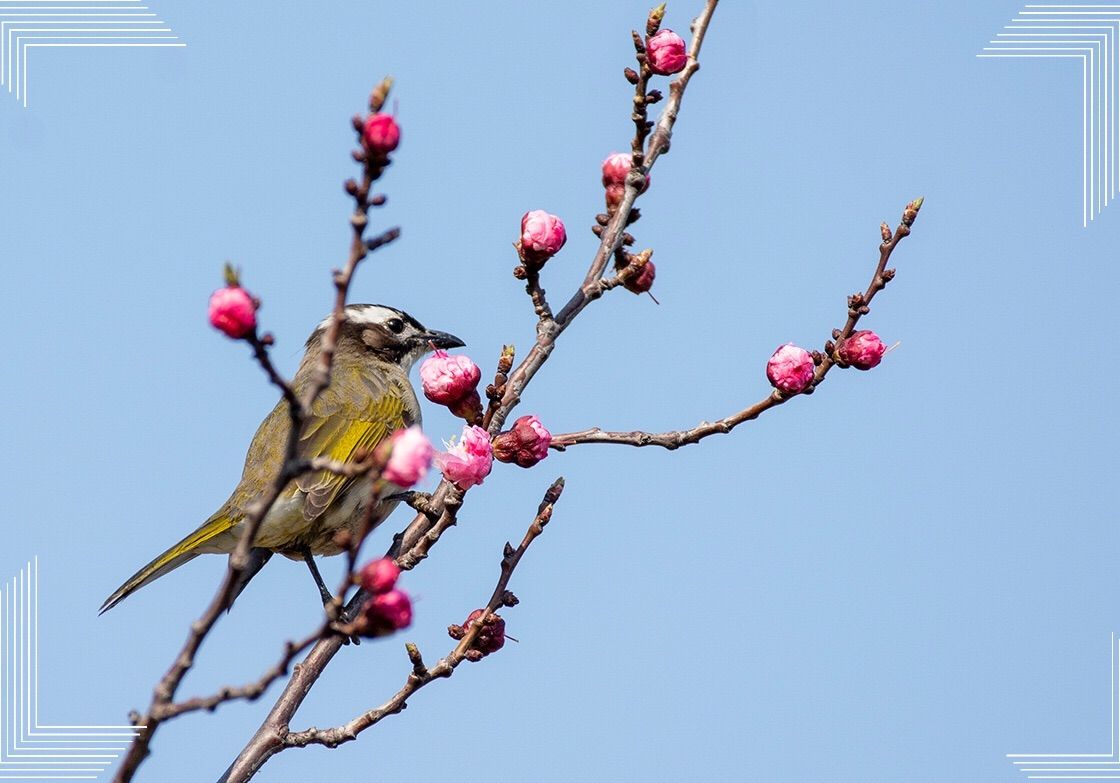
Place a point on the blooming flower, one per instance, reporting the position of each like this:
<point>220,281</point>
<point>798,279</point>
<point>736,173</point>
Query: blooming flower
<point>233,312</point>
<point>863,350</point>
<point>666,53</point>
<point>379,576</point>
<point>389,611</point>
<point>469,461</point>
<point>448,379</point>
<point>643,281</point>
<point>381,133</point>
<point>525,444</point>
<point>790,369</point>
<point>542,236</point>
<point>409,458</point>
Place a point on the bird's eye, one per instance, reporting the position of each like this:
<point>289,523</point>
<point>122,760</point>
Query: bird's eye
<point>396,325</point>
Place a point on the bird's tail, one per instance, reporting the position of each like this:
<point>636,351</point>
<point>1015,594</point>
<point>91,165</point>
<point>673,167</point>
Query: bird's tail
<point>201,540</point>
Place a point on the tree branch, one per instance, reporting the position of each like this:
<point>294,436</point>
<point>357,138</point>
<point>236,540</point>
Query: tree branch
<point>420,674</point>
<point>250,692</point>
<point>858,306</point>
<point>164,694</point>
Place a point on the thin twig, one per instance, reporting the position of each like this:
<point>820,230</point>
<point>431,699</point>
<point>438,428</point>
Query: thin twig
<point>249,691</point>
<point>858,306</point>
<point>164,693</point>
<point>265,741</point>
<point>274,734</point>
<point>420,674</point>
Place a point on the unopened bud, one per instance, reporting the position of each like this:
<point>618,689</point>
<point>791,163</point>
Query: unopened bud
<point>447,379</point>
<point>387,612</point>
<point>525,444</point>
<point>790,369</point>
<point>863,350</point>
<point>492,635</point>
<point>643,280</point>
<point>381,133</point>
<point>233,311</point>
<point>379,576</point>
<point>542,236</point>
<point>666,53</point>
<point>911,212</point>
<point>653,22</point>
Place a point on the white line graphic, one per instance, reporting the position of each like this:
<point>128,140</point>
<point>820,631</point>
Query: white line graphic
<point>1080,766</point>
<point>30,750</point>
<point>1093,36</point>
<point>41,24</point>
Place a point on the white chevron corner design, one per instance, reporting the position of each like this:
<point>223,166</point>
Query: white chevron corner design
<point>1091,34</point>
<point>30,750</point>
<point>1079,766</point>
<point>51,24</point>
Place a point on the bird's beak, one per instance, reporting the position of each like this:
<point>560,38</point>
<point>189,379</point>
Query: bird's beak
<point>442,339</point>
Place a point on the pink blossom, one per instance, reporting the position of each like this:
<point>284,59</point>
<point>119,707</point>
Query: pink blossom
<point>233,312</point>
<point>389,611</point>
<point>643,281</point>
<point>409,459</point>
<point>666,53</point>
<point>379,576</point>
<point>542,236</point>
<point>448,379</point>
<point>790,369</point>
<point>615,169</point>
<point>863,350</point>
<point>381,133</point>
<point>469,461</point>
<point>492,636</point>
<point>525,444</point>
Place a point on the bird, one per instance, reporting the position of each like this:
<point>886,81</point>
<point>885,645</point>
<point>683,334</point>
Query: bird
<point>368,399</point>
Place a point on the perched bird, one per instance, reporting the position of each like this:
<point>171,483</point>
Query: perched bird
<point>369,398</point>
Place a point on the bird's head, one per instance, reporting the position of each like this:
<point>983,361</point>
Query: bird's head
<point>389,334</point>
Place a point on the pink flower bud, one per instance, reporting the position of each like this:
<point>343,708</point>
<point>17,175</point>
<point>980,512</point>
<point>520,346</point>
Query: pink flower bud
<point>790,369</point>
<point>409,458</point>
<point>233,312</point>
<point>542,236</point>
<point>492,636</point>
<point>381,133</point>
<point>469,461</point>
<point>388,612</point>
<point>524,444</point>
<point>615,169</point>
<point>666,53</point>
<point>643,281</point>
<point>863,350</point>
<point>448,379</point>
<point>379,576</point>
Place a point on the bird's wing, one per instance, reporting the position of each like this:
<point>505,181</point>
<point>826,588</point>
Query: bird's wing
<point>357,411</point>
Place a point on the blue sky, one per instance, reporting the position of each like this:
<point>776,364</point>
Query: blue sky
<point>903,577</point>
